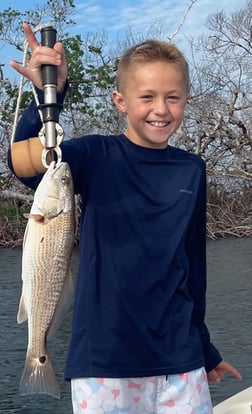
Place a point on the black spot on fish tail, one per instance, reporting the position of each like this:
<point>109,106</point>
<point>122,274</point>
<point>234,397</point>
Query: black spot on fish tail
<point>39,377</point>
<point>42,359</point>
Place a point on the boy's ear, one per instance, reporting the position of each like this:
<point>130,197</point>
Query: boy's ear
<point>119,101</point>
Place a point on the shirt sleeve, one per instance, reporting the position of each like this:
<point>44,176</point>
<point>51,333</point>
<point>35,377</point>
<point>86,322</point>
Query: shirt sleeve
<point>29,126</point>
<point>196,249</point>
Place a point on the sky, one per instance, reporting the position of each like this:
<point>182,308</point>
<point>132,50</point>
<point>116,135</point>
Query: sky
<point>115,17</point>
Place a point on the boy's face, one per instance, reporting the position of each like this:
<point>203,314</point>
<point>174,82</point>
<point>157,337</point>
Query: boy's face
<point>153,98</point>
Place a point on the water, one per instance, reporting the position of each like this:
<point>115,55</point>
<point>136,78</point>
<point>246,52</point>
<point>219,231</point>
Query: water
<point>228,318</point>
<point>229,310</point>
<point>13,341</point>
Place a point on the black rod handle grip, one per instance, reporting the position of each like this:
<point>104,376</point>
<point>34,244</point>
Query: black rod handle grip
<point>50,109</point>
<point>49,72</point>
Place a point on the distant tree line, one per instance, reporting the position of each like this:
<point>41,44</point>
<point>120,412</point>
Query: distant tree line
<point>218,120</point>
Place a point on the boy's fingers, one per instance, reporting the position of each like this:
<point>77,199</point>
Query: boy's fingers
<point>235,373</point>
<point>15,65</point>
<point>33,43</point>
<point>213,377</point>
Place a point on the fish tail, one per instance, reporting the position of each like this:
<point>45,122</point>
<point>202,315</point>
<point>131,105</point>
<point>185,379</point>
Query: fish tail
<point>39,377</point>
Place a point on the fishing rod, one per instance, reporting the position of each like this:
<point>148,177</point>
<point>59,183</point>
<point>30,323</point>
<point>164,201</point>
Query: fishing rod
<point>51,133</point>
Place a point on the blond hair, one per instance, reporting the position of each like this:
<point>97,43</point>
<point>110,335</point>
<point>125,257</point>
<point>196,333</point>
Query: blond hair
<point>151,51</point>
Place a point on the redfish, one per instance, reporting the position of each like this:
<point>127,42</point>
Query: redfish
<point>47,286</point>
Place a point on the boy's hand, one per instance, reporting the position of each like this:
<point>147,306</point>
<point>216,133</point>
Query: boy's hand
<point>42,55</point>
<point>217,374</point>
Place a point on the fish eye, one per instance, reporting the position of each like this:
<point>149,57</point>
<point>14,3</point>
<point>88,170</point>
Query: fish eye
<point>65,179</point>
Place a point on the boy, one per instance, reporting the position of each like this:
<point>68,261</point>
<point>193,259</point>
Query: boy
<point>139,342</point>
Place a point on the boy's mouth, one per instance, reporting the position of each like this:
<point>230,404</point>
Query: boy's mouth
<point>158,124</point>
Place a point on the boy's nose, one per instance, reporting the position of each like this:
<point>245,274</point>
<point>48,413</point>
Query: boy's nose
<point>160,107</point>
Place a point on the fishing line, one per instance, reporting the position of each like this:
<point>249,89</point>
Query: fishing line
<point>22,81</point>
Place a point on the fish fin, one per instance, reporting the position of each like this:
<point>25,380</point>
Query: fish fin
<point>22,312</point>
<point>39,377</point>
<point>36,217</point>
<point>63,305</point>
<point>25,234</point>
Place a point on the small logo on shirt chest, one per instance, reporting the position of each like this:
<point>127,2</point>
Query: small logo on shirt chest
<point>183,190</point>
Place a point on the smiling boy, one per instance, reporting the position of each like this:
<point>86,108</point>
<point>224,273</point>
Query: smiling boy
<point>152,90</point>
<point>139,342</point>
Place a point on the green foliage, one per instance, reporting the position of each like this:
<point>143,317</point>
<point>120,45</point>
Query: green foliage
<point>59,12</point>
<point>91,74</point>
<point>91,70</point>
<point>9,210</point>
<point>217,123</point>
<point>74,53</point>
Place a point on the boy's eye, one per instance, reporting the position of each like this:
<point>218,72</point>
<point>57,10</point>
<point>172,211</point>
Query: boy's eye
<point>146,97</point>
<point>149,97</point>
<point>173,97</point>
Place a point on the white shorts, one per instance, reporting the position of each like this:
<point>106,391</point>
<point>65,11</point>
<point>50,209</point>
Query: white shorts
<point>173,394</point>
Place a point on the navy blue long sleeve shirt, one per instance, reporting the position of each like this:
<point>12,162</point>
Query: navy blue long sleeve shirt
<point>141,287</point>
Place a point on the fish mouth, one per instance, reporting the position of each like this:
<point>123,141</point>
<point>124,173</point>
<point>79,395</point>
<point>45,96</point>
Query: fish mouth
<point>54,168</point>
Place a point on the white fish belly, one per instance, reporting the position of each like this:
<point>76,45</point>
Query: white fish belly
<point>46,259</point>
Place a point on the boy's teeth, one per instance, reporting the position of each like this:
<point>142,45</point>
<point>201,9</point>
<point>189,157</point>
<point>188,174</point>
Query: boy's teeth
<point>159,124</point>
